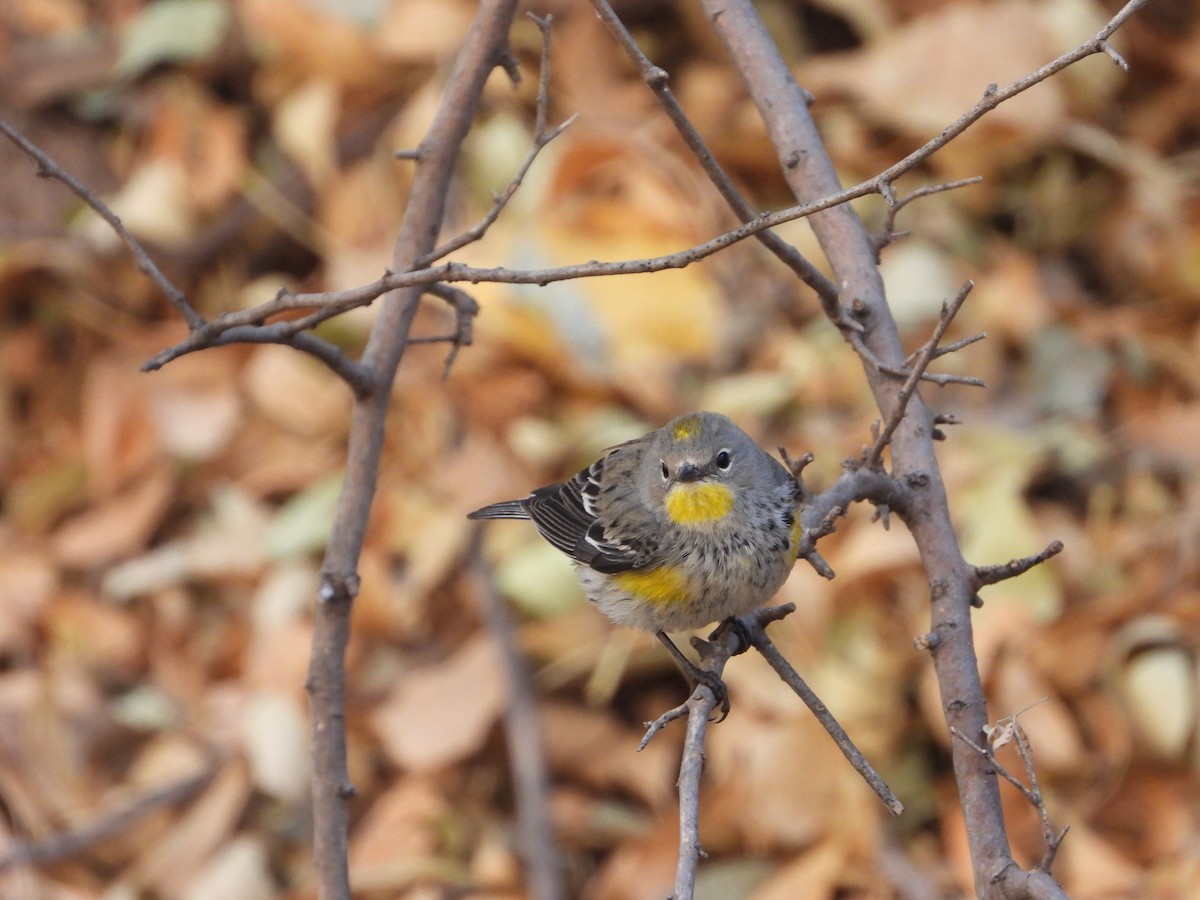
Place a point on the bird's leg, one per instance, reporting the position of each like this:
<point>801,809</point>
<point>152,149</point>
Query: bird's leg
<point>696,675</point>
<point>736,627</point>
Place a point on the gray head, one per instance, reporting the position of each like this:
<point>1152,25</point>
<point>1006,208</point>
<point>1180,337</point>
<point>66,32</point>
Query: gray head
<point>700,448</point>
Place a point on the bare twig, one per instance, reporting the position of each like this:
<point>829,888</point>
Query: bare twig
<point>985,575</point>
<point>541,137</point>
<point>531,784</point>
<point>465,310</point>
<point>889,233</point>
<point>659,82</point>
<point>792,679</point>
<point>924,357</point>
<point>727,641</point>
<point>954,347</point>
<point>732,637</point>
<point>485,46</point>
<point>1005,730</point>
<point>856,484</point>
<point>71,843</point>
<point>340,301</point>
<point>45,167</point>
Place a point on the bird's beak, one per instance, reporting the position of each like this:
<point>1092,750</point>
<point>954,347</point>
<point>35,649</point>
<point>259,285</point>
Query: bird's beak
<point>689,471</point>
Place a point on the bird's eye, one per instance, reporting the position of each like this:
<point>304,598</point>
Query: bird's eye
<point>666,473</point>
<point>724,460</point>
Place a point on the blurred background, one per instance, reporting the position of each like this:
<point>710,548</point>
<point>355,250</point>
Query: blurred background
<point>161,533</point>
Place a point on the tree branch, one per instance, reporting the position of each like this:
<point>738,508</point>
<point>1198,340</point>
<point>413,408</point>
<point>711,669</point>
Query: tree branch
<point>68,844</point>
<point>484,47</point>
<point>522,733</point>
<point>45,167</point>
<point>852,253</point>
<point>659,82</point>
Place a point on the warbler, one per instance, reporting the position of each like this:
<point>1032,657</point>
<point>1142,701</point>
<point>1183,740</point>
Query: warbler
<point>684,526</point>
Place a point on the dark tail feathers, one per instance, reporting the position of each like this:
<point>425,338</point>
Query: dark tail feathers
<point>507,509</point>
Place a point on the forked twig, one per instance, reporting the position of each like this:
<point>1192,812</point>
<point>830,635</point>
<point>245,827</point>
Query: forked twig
<point>541,137</point>
<point>924,357</point>
<point>1009,730</point>
<point>659,82</point>
<point>889,233</point>
<point>732,637</point>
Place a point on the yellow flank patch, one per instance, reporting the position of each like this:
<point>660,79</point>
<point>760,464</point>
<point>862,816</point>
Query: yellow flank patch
<point>685,428</point>
<point>691,504</point>
<point>796,531</point>
<point>662,586</point>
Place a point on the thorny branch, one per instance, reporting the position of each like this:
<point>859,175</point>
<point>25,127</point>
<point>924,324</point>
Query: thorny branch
<point>985,575</point>
<point>727,641</point>
<point>889,234</point>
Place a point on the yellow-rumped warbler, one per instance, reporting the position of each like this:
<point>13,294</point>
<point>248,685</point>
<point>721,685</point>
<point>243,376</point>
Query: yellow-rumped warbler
<point>681,527</point>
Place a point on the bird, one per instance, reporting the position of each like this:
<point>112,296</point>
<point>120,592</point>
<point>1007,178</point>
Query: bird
<point>687,525</point>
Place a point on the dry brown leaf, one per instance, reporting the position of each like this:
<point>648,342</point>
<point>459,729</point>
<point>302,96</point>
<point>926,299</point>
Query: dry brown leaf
<point>275,732</point>
<point>641,869</point>
<point>117,527</point>
<point>422,31</point>
<point>1095,868</point>
<point>817,872</point>
<point>442,713</point>
<point>105,638</point>
<point>296,393</point>
<point>946,59</point>
<point>401,824</point>
<point>573,736</point>
<point>119,443</point>
<point>170,861</point>
<point>239,869</point>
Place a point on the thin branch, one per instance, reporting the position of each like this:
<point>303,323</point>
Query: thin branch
<point>466,308</point>
<point>45,167</point>
<point>357,376</point>
<point>1033,792</point>
<point>485,47</point>
<point>68,844</point>
<point>726,641</point>
<point>659,82</point>
<point>985,575</point>
<point>522,733</point>
<point>452,272</point>
<point>924,358</point>
<point>1052,838</point>
<point>541,138</point>
<point>792,679</point>
<point>947,349</point>
<point>889,233</point>
<point>732,637</point>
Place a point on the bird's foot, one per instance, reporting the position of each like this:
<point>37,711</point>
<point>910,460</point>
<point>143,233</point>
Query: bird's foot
<point>697,676</point>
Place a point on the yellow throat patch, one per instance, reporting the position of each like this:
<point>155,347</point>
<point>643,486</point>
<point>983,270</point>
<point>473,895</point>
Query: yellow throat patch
<point>694,504</point>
